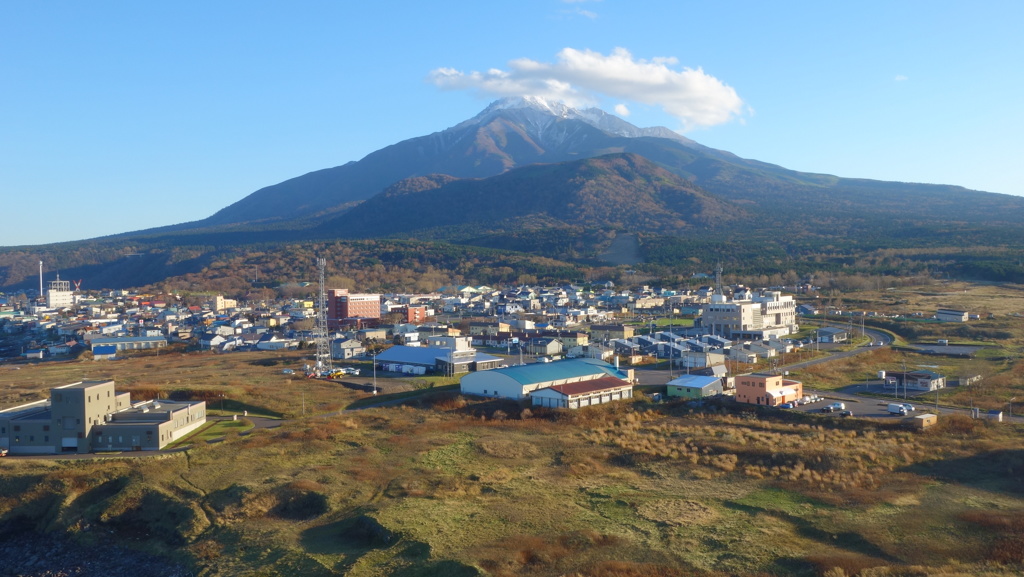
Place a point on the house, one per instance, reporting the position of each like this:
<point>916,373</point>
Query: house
<point>694,387</point>
<point>519,382</point>
<point>832,335</point>
<point>601,333</point>
<point>346,348</point>
<point>543,346</point>
<point>91,416</point>
<point>582,393</point>
<point>767,389</point>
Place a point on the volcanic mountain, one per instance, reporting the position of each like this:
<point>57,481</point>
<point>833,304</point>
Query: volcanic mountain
<point>517,132</point>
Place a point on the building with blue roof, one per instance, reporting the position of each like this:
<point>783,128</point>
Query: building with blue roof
<point>518,382</point>
<point>694,387</point>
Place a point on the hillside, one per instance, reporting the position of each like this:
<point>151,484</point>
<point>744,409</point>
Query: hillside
<point>614,192</point>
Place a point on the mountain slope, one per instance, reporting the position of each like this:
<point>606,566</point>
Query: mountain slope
<point>618,191</point>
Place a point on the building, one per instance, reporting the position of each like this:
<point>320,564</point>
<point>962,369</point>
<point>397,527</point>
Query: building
<point>91,416</point>
<point>130,343</point>
<point>518,382</point>
<point>951,316</point>
<point>765,389</point>
<point>694,387</point>
<point>344,308</point>
<point>750,316</point>
<point>582,394</point>
<point>60,295</point>
<point>914,380</point>
<point>221,304</point>
<point>604,333</point>
<point>832,335</point>
<point>342,349</point>
<point>445,355</point>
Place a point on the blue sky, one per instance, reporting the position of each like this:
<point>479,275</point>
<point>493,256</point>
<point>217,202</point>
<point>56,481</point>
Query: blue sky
<point>120,116</point>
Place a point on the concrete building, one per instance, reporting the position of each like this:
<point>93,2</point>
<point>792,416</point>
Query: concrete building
<point>765,389</point>
<point>91,416</point>
<point>751,317</point>
<point>914,380</point>
<point>59,295</point>
<point>343,306</point>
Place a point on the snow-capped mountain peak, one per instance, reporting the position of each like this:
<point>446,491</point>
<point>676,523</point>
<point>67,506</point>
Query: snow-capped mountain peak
<point>532,105</point>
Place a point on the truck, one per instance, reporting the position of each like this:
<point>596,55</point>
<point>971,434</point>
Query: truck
<point>897,409</point>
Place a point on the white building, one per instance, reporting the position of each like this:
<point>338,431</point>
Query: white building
<point>751,316</point>
<point>60,295</point>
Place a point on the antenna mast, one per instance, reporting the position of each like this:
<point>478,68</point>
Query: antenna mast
<point>320,333</point>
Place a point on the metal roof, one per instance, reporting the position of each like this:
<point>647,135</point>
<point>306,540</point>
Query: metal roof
<point>558,370</point>
<point>694,381</point>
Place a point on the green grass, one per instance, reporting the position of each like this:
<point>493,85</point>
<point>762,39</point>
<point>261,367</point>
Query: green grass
<point>403,396</point>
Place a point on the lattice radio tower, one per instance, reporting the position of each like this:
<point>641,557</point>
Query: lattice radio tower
<point>320,332</point>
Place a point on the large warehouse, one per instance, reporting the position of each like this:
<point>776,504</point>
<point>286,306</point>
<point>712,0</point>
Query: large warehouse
<point>519,382</point>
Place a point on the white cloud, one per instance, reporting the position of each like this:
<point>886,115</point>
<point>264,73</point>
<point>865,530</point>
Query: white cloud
<point>900,78</point>
<point>621,110</point>
<point>580,77</point>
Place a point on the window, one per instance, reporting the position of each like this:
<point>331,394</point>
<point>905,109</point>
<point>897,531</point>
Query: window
<point>46,439</point>
<point>17,428</point>
<point>46,427</point>
<point>31,438</point>
<point>17,439</point>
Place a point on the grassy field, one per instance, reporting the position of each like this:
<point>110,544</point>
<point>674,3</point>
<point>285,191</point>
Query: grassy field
<point>463,488</point>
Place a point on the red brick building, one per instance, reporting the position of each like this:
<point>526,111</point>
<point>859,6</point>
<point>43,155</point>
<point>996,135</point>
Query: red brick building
<point>344,308</point>
<point>414,314</point>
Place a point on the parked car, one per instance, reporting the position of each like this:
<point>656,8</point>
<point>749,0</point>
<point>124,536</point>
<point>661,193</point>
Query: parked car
<point>845,413</point>
<point>786,406</point>
<point>828,409</point>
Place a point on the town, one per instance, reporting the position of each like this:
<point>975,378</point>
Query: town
<point>563,346</point>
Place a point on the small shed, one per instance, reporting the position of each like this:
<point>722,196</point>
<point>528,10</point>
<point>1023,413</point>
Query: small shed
<point>923,421</point>
<point>694,387</point>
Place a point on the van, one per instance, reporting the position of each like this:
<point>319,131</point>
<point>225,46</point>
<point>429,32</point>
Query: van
<point>897,409</point>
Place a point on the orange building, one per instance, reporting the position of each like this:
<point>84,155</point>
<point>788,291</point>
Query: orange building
<point>765,389</point>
